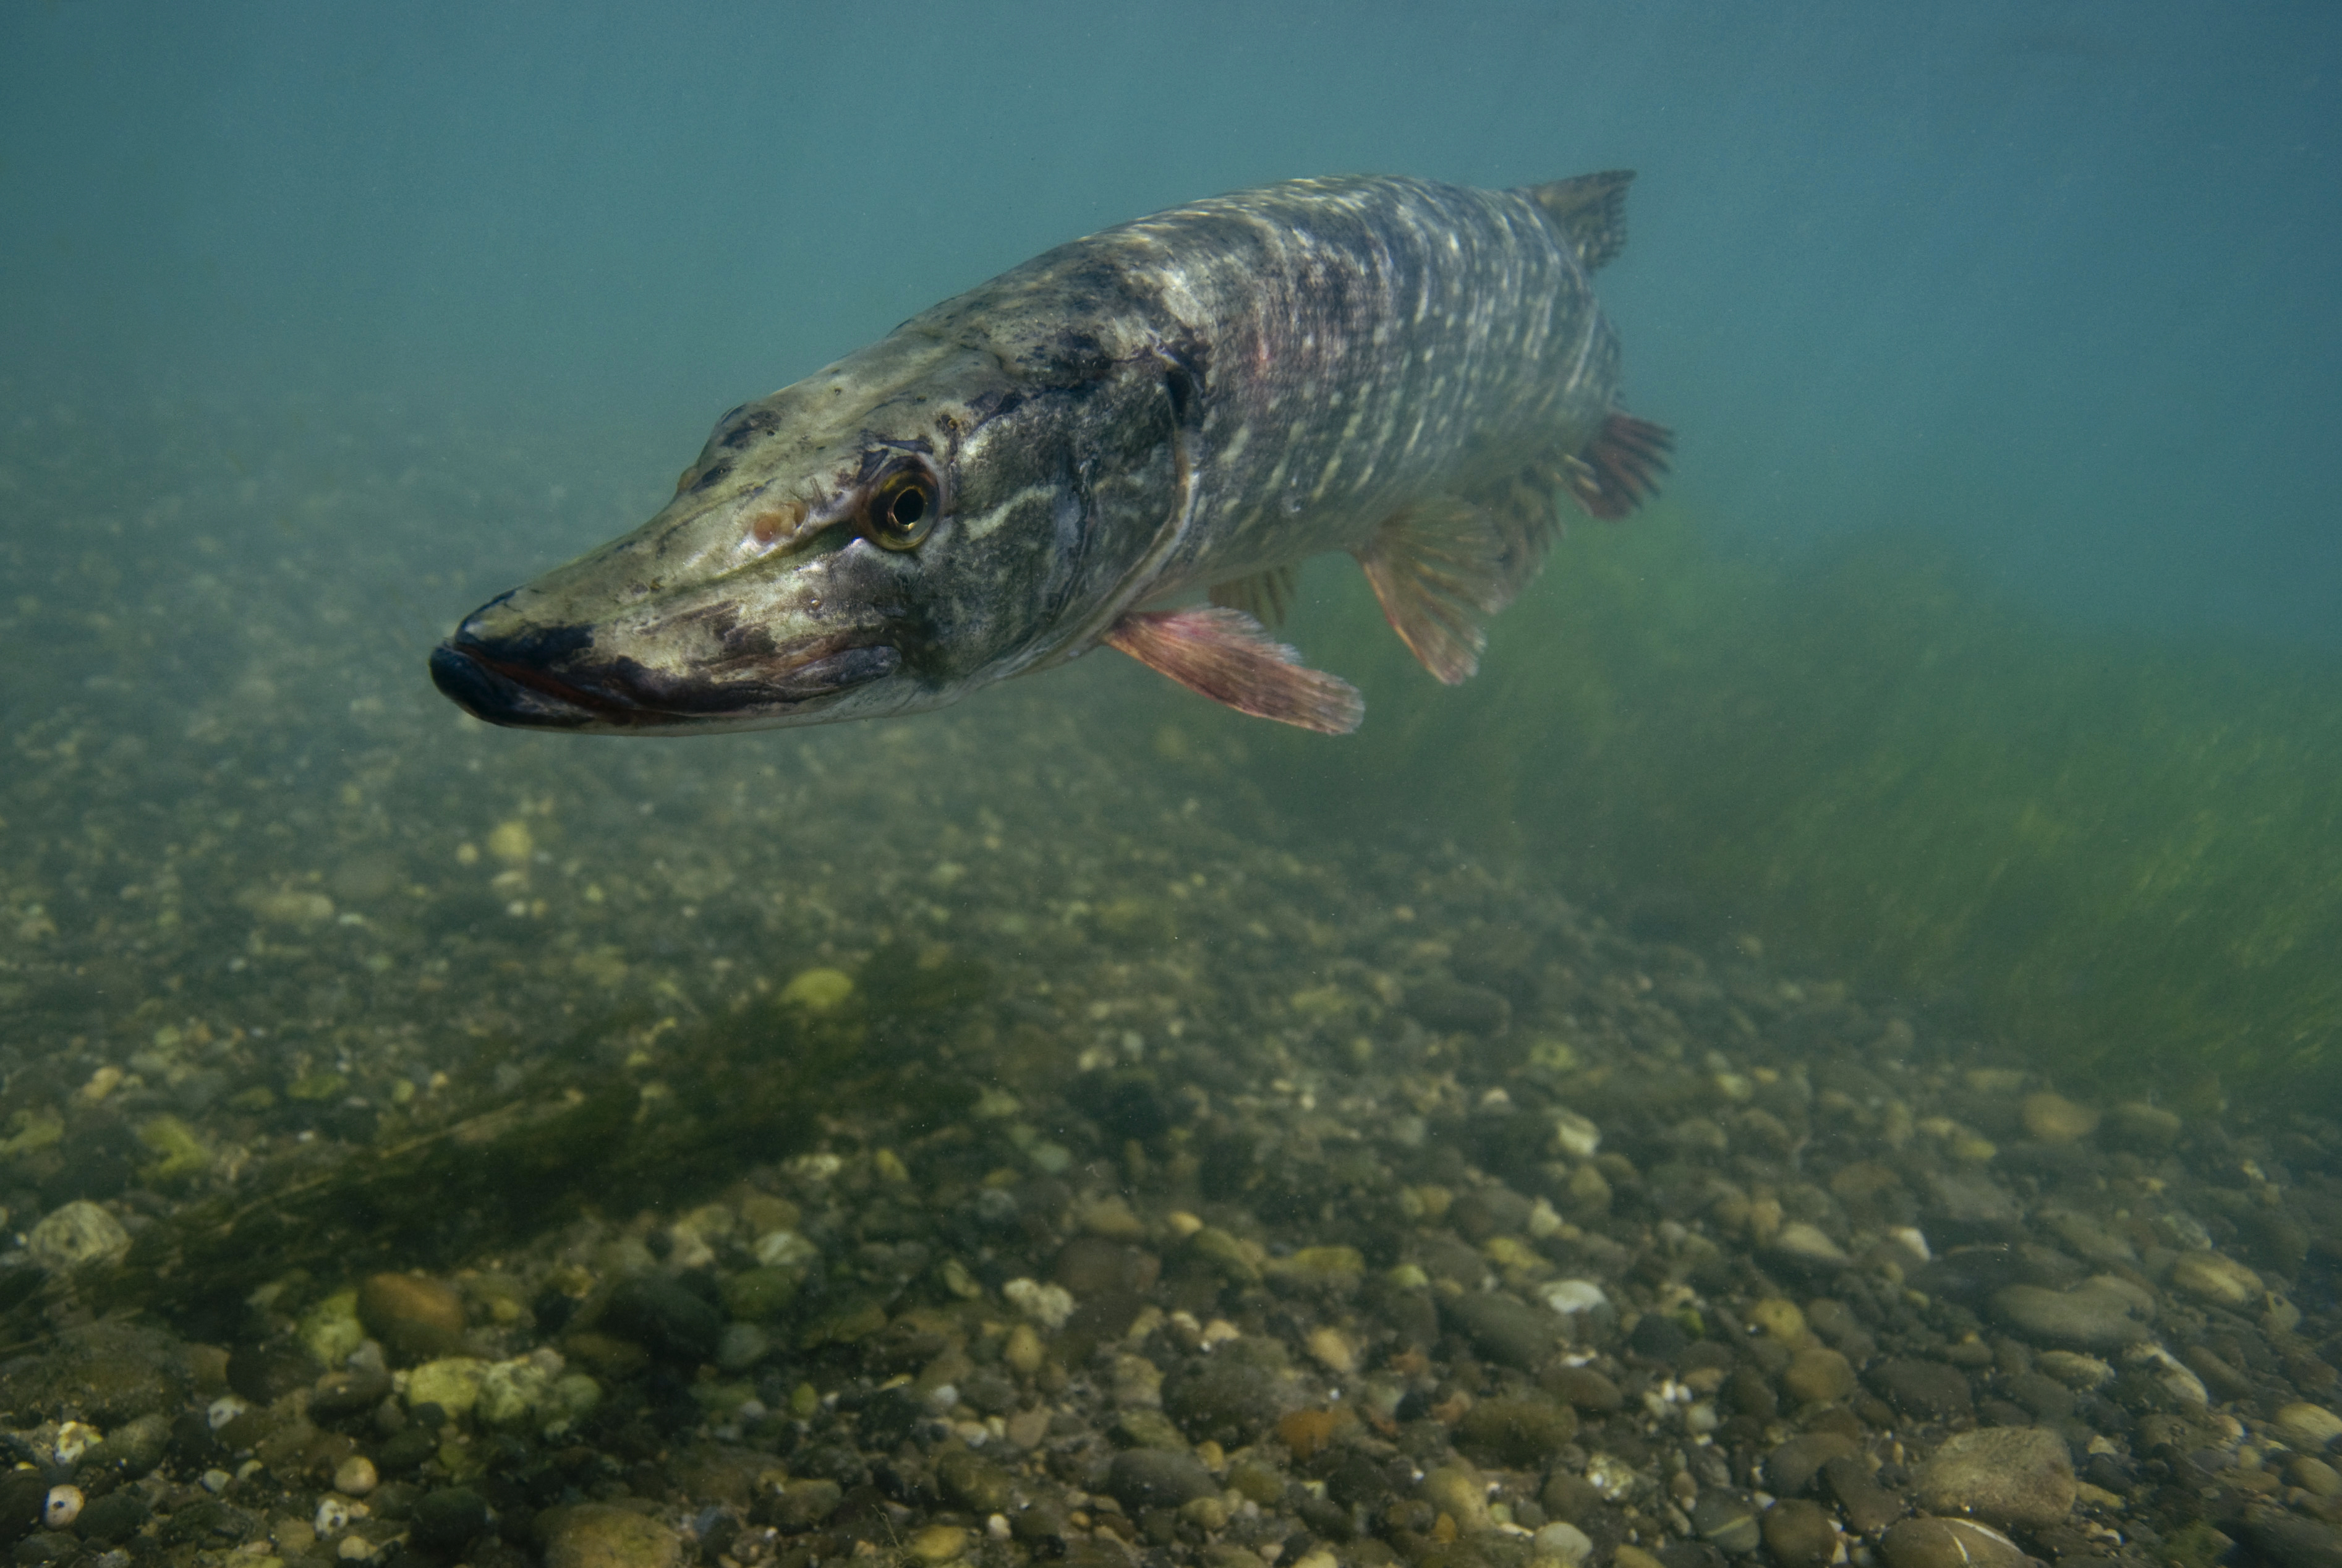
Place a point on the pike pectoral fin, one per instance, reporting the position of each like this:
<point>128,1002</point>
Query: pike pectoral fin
<point>1264,596</point>
<point>1440,567</point>
<point>1226,655</point>
<point>1620,467</point>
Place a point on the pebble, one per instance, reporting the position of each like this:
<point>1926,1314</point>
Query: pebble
<point>61,1507</point>
<point>2074,1369</point>
<point>355,1476</point>
<point>2140,1125</point>
<point>1791,1468</point>
<point>1805,1246</point>
<point>414,1317</point>
<point>1505,1331</point>
<point>603,1535</point>
<point>2312,1474</point>
<point>1521,1433</point>
<point>1800,1534</point>
<point>2053,1119</point>
<point>2020,1475</point>
<point>1818,1376</point>
<point>1780,1318</point>
<point>2088,1317</point>
<point>1145,1478</point>
<point>939,1543</point>
<point>1868,1506</point>
<point>1727,1520</point>
<point>1948,1543</point>
<point>1582,1387</point>
<point>1561,1543</point>
<point>974,1482</point>
<point>2307,1425</point>
<point>666,1317</point>
<point>1929,1390</point>
<point>802,1505</point>
<point>2290,1541</point>
<point>2215,1277</point>
<point>75,1234</point>
<point>451,1383</point>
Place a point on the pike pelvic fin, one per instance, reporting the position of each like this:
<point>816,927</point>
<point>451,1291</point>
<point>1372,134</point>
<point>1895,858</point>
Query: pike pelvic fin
<point>1264,596</point>
<point>1226,655</point>
<point>1620,467</point>
<point>1440,567</point>
<point>1590,211</point>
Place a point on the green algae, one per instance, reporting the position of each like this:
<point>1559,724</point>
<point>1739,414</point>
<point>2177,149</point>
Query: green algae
<point>2121,853</point>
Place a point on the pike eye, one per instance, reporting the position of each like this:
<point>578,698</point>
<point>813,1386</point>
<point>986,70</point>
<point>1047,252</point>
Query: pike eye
<point>902,508</point>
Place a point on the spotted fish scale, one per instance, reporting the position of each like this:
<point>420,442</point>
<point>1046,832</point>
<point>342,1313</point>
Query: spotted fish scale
<point>1201,399</point>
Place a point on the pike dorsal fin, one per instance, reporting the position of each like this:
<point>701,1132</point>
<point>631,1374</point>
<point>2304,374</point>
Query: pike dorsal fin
<point>1590,211</point>
<point>1224,654</point>
<point>1264,596</point>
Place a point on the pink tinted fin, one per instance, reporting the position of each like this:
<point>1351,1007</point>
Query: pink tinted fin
<point>1620,467</point>
<point>1440,567</point>
<point>1224,654</point>
<point>1264,596</point>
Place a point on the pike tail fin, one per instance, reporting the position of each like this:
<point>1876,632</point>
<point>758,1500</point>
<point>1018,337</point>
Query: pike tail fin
<point>1620,467</point>
<point>1224,654</point>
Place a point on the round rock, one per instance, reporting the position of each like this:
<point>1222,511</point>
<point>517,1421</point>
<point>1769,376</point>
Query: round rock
<point>2089,1317</point>
<point>2307,1425</point>
<point>1818,1376</point>
<point>2021,1476</point>
<point>1929,1390</point>
<point>2216,1278</point>
<point>444,1520</point>
<point>413,1316</point>
<point>1799,1534</point>
<point>2054,1119</point>
<point>1948,1543</point>
<point>599,1536</point>
<point>1152,1478</point>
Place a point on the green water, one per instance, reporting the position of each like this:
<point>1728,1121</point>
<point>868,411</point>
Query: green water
<point>2121,853</point>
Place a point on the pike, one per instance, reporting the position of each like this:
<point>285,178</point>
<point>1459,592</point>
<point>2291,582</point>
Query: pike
<point>1202,399</point>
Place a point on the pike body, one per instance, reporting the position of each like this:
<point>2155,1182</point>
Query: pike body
<point>1202,399</point>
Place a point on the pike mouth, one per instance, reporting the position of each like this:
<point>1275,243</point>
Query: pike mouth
<point>525,681</point>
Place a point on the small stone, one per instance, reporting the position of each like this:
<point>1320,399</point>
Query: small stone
<point>1818,1376</point>
<point>1458,1493</point>
<point>1334,1350</point>
<point>802,1505</point>
<point>61,1507</point>
<point>1869,1507</point>
<point>24,1494</point>
<point>1581,1387</point>
<point>1778,1317</point>
<point>972,1481</point>
<point>2074,1369</point>
<point>451,1383</point>
<point>939,1543</point>
<point>2216,1278</point>
<point>1805,1246</point>
<point>1509,1332</point>
<point>1799,1534</point>
<point>413,1316</point>
<point>1519,1433</point>
<point>2290,1541</point>
<point>2307,1425</point>
<point>1791,1468</point>
<point>601,1535</point>
<point>1024,1351</point>
<point>2145,1128</point>
<point>114,1518</point>
<point>355,1476</point>
<point>1948,1543</point>
<point>2088,1317</point>
<point>1145,1478</point>
<point>445,1520</point>
<point>2020,1475</point>
<point>1727,1520</point>
<point>2314,1475</point>
<point>666,1317</point>
<point>1925,1389</point>
<point>75,1234</point>
<point>1231,1395</point>
<point>2053,1119</point>
<point>1561,1543</point>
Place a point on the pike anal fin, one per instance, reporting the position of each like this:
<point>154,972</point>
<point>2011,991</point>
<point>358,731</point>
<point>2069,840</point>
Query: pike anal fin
<point>1224,654</point>
<point>1620,467</point>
